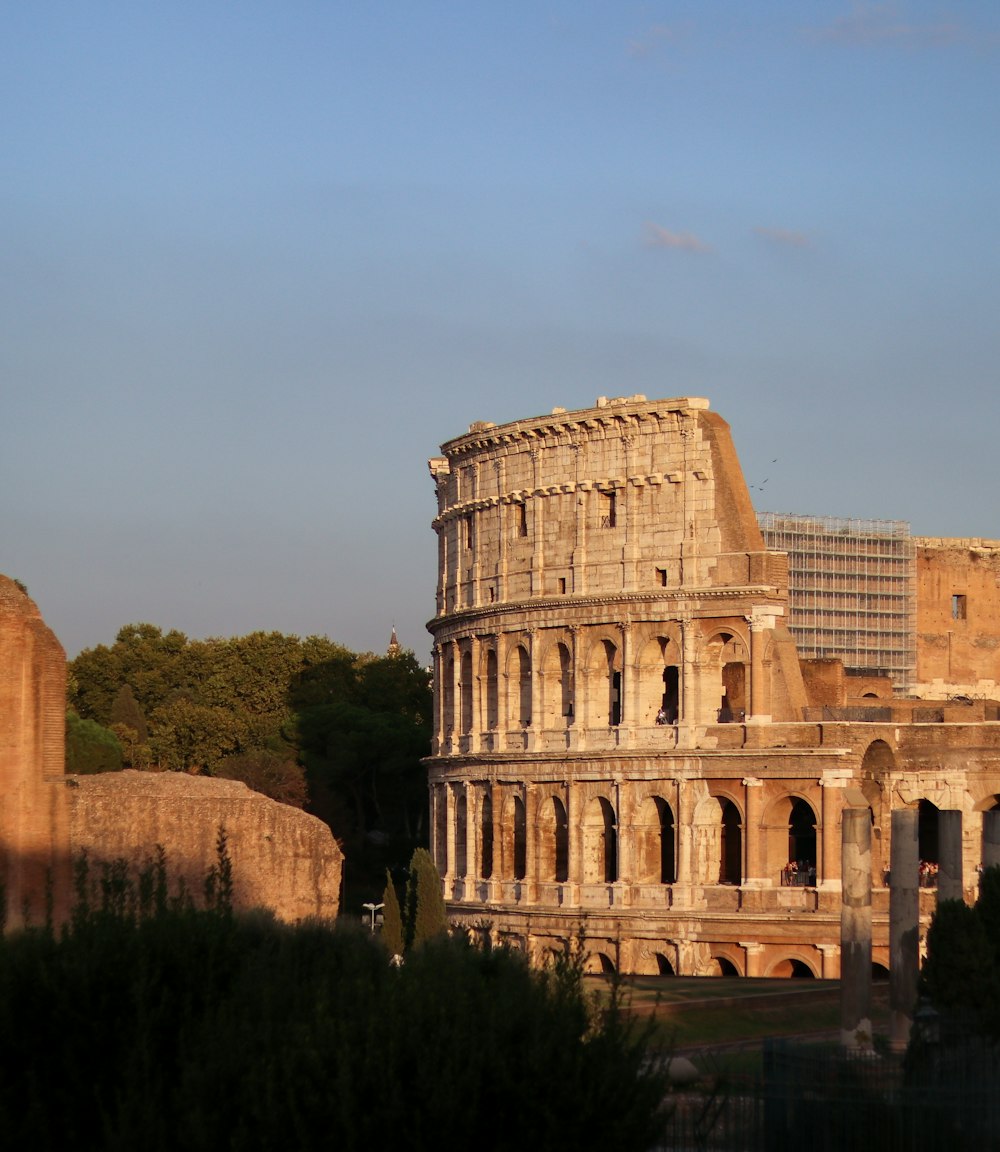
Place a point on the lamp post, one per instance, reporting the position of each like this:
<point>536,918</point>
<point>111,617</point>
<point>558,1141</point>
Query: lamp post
<point>372,908</point>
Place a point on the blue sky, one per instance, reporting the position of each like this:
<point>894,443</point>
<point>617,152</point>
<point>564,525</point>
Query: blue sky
<point>259,260</point>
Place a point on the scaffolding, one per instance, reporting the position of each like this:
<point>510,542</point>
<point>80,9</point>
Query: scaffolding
<point>851,591</point>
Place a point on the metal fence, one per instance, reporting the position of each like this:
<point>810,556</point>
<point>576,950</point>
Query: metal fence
<point>944,1097</point>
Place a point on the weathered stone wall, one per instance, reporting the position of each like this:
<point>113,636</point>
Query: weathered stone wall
<point>958,618</point>
<point>282,858</point>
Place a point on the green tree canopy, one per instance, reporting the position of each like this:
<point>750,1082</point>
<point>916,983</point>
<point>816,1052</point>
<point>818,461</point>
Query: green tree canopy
<point>90,748</point>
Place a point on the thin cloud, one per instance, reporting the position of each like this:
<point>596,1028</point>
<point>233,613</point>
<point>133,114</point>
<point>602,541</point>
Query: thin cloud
<point>658,237</point>
<point>871,25</point>
<point>655,39</point>
<point>784,236</point>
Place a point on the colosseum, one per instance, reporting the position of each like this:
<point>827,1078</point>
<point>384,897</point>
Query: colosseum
<point>627,743</point>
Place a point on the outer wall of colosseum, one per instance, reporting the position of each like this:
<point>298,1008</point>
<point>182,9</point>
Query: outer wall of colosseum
<point>958,610</point>
<point>282,858</point>
<point>621,745</point>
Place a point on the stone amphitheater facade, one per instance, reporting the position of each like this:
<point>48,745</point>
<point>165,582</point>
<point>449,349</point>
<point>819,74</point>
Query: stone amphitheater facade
<point>620,746</point>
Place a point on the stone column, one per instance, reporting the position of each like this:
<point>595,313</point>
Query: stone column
<point>471,839</point>
<point>689,704</point>
<point>833,804</point>
<point>991,839</point>
<point>576,720</point>
<point>437,697</point>
<point>574,835</point>
<point>753,833</point>
<point>904,926</point>
<point>856,930</point>
<point>496,873</point>
<point>531,853</point>
<point>681,896</point>
<point>451,820</point>
<point>949,881</point>
<point>761,621</point>
<point>829,961</point>
<point>755,958</point>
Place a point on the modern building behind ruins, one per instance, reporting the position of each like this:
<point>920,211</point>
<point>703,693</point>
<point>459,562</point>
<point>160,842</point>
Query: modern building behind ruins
<point>627,740</point>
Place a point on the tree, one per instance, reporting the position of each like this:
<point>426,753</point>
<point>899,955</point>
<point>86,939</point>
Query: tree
<point>90,748</point>
<point>272,773</point>
<point>426,916</point>
<point>392,918</point>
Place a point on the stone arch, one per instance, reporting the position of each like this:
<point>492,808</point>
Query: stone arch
<point>461,833</point>
<point>655,842</point>
<point>725,961</point>
<point>553,840</point>
<point>790,825</point>
<point>514,845</point>
<point>441,829</point>
<point>878,758</point>
<point>465,692</point>
<point>793,966</point>
<point>557,686</point>
<point>600,842</point>
<point>664,965</point>
<point>491,696</point>
<point>448,693</point>
<point>604,683</point>
<point>659,680</point>
<point>599,963</point>
<point>728,665</point>
<point>731,843</point>
<point>519,687</point>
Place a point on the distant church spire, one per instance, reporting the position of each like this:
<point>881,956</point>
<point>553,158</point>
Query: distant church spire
<point>393,649</point>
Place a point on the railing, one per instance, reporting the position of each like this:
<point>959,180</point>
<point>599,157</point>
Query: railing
<point>796,877</point>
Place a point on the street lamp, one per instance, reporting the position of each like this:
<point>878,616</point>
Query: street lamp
<point>372,908</point>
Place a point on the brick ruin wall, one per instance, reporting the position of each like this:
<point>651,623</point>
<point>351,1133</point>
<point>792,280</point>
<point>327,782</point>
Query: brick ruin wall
<point>283,859</point>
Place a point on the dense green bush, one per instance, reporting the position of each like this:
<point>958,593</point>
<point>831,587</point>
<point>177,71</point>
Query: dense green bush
<point>149,1024</point>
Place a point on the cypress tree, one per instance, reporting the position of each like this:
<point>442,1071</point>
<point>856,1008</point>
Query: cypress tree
<point>392,918</point>
<point>425,912</point>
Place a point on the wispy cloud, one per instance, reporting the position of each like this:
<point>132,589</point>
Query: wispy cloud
<point>656,38</point>
<point>784,236</point>
<point>872,24</point>
<point>658,237</point>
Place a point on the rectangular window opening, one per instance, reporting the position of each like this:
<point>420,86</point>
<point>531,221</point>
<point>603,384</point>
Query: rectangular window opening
<point>562,585</point>
<point>522,519</point>
<point>958,607</point>
<point>661,577</point>
<point>608,509</point>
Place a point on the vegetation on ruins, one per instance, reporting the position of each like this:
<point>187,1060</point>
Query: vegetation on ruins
<point>305,721</point>
<point>148,1022</point>
<point>961,975</point>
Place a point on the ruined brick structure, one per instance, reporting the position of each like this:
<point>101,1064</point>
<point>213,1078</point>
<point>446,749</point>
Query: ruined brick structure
<point>624,739</point>
<point>282,858</point>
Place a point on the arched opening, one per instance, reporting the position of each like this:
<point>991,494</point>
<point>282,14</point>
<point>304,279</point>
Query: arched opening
<point>522,685</point>
<point>671,693</point>
<point>492,695</point>
<point>461,834</point>
<point>731,845</point>
<point>733,707</point>
<point>600,842</point>
<point>598,964</point>
<point>657,699</point>
<point>927,841</point>
<point>663,966</point>
<point>465,689</point>
<point>729,659</point>
<point>448,695</point>
<point>801,866</point>
<point>558,687</point>
<point>486,829</point>
<point>723,967</point>
<point>604,706</point>
<point>441,831</point>
<point>520,840</point>
<point>655,842</point>
<point>880,974</point>
<point>878,758</point>
<point>793,969</point>
<point>553,841</point>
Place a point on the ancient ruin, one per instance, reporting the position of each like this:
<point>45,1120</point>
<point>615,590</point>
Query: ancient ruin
<point>283,859</point>
<point>627,741</point>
